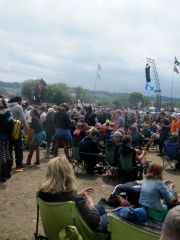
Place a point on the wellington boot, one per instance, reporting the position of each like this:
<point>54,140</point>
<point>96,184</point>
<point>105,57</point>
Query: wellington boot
<point>3,172</point>
<point>37,162</point>
<point>28,161</point>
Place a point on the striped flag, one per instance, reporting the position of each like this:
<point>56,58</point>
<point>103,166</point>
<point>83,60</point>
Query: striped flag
<point>176,62</point>
<point>176,65</point>
<point>176,69</point>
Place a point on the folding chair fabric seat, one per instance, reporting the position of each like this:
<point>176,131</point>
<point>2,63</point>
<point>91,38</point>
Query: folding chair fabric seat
<point>126,169</point>
<point>120,229</point>
<point>77,163</point>
<point>56,216</point>
<point>110,155</point>
<point>170,154</point>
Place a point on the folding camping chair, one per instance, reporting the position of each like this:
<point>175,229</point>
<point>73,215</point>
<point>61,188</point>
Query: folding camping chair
<point>120,229</point>
<point>170,155</point>
<point>110,152</point>
<point>57,216</point>
<point>126,169</point>
<point>77,162</point>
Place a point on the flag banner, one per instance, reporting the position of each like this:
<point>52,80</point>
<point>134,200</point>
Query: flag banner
<point>176,69</point>
<point>149,87</point>
<point>41,86</point>
<point>176,62</point>
<point>146,86</point>
<point>99,67</point>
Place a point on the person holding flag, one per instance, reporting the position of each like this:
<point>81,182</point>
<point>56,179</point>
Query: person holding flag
<point>41,86</point>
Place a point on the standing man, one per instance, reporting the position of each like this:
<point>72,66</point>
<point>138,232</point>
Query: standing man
<point>62,134</point>
<point>18,114</point>
<point>164,132</point>
<point>120,122</point>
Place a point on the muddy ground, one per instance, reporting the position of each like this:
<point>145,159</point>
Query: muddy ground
<point>18,202</point>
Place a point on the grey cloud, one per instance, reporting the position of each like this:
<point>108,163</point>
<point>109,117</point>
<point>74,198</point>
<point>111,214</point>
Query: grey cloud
<point>63,41</point>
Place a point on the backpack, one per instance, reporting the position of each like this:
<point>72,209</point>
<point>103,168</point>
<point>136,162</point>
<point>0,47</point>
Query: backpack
<point>131,214</point>
<point>70,233</point>
<point>16,129</point>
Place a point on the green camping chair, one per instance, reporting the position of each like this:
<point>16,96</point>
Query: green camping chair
<point>56,216</point>
<point>110,160</point>
<point>127,172</point>
<point>120,229</point>
<point>77,163</point>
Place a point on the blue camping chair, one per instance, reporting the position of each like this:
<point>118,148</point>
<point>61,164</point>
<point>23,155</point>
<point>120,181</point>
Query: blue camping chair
<point>170,155</point>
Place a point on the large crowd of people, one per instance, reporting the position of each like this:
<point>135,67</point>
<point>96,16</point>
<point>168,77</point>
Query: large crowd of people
<point>92,130</point>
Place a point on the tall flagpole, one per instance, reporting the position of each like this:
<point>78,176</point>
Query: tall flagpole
<point>99,68</point>
<point>94,97</point>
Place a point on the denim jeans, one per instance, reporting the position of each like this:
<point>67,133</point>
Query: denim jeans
<point>103,224</point>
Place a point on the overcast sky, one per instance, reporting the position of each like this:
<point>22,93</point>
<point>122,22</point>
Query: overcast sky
<point>64,40</point>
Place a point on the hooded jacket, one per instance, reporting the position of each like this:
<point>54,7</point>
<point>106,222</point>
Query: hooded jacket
<point>18,113</point>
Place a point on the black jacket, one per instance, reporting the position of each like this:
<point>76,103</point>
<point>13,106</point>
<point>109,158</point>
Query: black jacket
<point>90,215</point>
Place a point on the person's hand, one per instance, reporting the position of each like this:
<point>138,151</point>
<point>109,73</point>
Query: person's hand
<point>172,185</point>
<point>87,190</point>
<point>89,200</point>
<point>123,202</point>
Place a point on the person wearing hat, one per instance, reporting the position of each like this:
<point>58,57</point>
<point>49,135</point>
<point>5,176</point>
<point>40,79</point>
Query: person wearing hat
<point>117,136</point>
<point>62,134</point>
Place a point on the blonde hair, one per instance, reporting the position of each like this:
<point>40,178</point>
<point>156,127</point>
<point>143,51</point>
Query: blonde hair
<point>59,177</point>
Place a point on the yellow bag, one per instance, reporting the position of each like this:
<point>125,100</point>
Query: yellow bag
<point>16,129</point>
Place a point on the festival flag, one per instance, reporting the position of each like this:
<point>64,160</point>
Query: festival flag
<point>176,62</point>
<point>41,86</point>
<point>149,87</point>
<point>176,65</point>
<point>176,69</point>
<point>99,67</point>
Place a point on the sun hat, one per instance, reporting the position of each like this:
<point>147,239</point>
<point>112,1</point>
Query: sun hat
<point>117,134</point>
<point>51,110</point>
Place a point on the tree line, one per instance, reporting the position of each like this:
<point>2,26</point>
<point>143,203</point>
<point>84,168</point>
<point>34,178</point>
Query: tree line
<point>59,92</point>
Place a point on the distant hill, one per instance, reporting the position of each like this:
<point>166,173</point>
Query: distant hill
<point>15,85</point>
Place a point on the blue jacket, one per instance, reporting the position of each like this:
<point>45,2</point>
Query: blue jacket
<point>152,192</point>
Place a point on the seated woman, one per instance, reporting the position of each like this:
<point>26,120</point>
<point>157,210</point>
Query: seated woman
<point>154,190</point>
<point>80,132</point>
<point>90,150</point>
<point>137,160</point>
<point>135,136</point>
<point>60,186</point>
